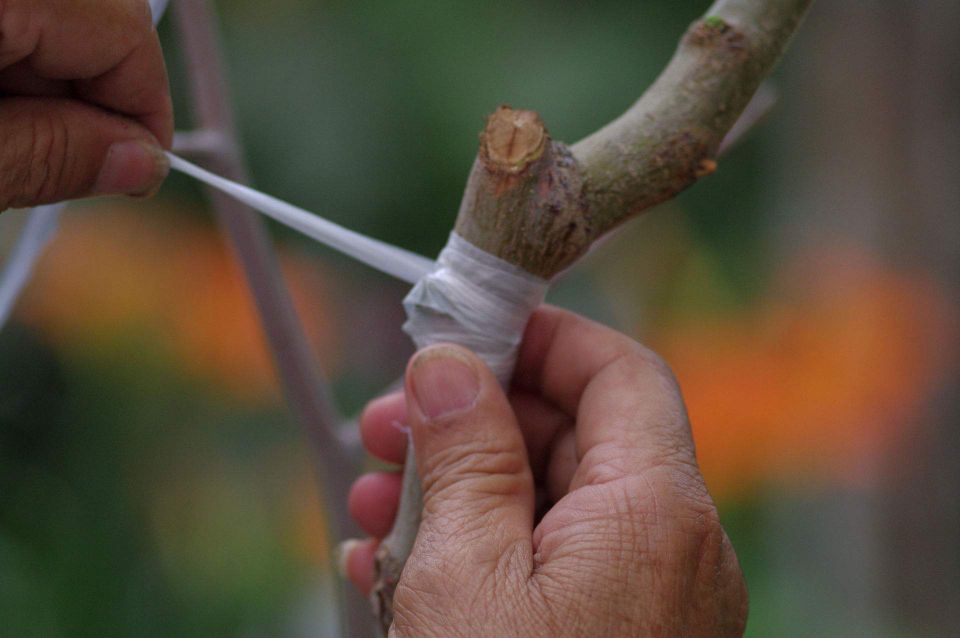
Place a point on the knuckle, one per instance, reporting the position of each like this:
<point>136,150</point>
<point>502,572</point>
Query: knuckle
<point>642,365</point>
<point>128,22</point>
<point>641,360</point>
<point>657,363</point>
<point>491,470</point>
<point>44,159</point>
<point>32,159</point>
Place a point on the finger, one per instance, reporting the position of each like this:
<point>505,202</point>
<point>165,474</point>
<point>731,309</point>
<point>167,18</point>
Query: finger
<point>382,429</point>
<point>477,486</point>
<point>541,424</point>
<point>138,87</point>
<point>20,79</point>
<point>628,408</point>
<point>56,149</point>
<point>108,46</point>
<point>373,500</point>
<point>562,465</point>
<point>355,561</point>
<point>385,436</point>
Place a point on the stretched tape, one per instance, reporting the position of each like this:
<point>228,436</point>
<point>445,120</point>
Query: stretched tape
<point>399,263</point>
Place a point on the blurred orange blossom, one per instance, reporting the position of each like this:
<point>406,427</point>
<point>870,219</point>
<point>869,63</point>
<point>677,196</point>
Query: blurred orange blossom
<point>818,380</point>
<point>145,269</point>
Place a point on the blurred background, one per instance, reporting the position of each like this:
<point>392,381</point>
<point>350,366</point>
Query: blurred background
<point>152,482</point>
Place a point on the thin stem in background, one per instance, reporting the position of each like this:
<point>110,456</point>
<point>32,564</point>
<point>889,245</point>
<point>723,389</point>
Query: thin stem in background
<point>304,385</point>
<point>40,229</point>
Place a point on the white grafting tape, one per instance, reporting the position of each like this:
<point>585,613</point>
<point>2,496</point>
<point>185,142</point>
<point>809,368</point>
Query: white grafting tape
<point>399,263</point>
<point>476,300</point>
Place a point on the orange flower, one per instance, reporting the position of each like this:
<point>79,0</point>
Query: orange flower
<point>818,383</point>
<point>170,282</point>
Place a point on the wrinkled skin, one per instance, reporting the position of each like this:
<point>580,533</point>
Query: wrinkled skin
<point>624,539</point>
<point>78,79</point>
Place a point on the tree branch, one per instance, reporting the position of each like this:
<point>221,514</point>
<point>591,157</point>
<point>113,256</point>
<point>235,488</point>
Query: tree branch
<point>670,137</point>
<point>540,205</point>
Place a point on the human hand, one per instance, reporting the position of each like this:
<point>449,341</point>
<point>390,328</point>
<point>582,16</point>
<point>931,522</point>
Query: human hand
<point>596,434</point>
<point>84,101</point>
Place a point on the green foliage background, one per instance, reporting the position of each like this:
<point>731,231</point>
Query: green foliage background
<point>368,112</point>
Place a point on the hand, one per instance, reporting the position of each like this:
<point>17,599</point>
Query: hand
<point>84,101</point>
<point>629,543</point>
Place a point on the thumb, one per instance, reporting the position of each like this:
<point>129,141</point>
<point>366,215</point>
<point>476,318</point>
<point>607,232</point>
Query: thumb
<point>477,485</point>
<point>55,149</point>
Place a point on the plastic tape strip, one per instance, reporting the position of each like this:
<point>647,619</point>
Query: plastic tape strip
<point>399,263</point>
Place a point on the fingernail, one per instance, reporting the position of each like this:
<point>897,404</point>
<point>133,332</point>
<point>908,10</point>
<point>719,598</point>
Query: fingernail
<point>444,382</point>
<point>343,554</point>
<point>133,167</point>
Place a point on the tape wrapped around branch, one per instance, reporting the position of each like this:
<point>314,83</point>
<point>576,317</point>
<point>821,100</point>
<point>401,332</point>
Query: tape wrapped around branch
<point>476,300</point>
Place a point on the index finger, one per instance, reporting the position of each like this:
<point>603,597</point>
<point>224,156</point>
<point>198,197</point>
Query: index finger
<point>626,403</point>
<point>108,49</point>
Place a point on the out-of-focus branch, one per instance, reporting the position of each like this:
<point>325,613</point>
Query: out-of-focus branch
<point>758,108</point>
<point>40,229</point>
<point>302,381</point>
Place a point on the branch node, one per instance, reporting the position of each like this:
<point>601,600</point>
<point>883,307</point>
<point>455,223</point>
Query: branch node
<point>714,31</point>
<point>706,167</point>
<point>512,139</point>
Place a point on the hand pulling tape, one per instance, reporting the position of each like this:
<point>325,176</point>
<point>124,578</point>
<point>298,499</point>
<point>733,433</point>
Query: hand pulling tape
<point>39,230</point>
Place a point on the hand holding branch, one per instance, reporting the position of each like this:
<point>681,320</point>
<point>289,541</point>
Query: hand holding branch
<point>573,507</point>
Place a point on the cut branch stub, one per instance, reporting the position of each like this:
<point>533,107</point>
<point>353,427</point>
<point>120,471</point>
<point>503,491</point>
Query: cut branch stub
<point>513,139</point>
<point>523,199</point>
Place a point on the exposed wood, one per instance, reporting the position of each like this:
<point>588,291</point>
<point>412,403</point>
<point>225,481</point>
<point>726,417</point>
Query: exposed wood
<point>522,200</point>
